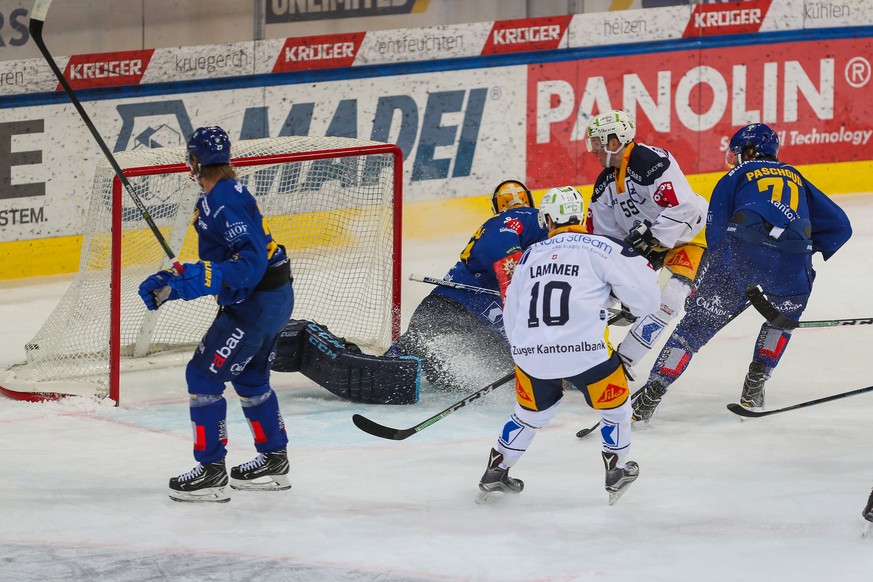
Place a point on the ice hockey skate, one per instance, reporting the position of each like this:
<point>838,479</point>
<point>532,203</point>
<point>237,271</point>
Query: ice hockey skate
<point>647,402</point>
<point>753,387</point>
<point>618,480</point>
<point>204,483</point>
<point>867,514</point>
<point>496,480</point>
<point>266,472</point>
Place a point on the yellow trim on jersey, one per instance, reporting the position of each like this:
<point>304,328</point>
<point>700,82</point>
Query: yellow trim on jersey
<point>579,228</point>
<point>610,392</point>
<point>524,393</point>
<point>684,260</point>
<point>622,170</point>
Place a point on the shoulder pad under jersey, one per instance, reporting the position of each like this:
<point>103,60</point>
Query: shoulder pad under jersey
<point>646,164</point>
<point>602,183</point>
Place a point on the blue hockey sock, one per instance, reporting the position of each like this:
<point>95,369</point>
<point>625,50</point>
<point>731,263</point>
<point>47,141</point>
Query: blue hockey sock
<point>208,419</point>
<point>265,420</point>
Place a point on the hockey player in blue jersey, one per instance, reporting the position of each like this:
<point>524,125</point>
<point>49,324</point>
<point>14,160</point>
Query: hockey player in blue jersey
<point>250,275</point>
<point>765,221</point>
<point>458,333</point>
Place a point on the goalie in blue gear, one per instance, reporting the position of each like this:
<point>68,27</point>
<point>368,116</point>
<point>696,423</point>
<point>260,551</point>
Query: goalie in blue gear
<point>457,334</point>
<point>249,274</point>
<point>765,222</point>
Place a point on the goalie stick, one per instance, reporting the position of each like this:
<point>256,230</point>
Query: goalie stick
<point>774,317</point>
<point>398,434</point>
<point>37,20</point>
<point>748,413</point>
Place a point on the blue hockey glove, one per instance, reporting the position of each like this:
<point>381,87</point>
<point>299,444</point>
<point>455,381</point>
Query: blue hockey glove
<point>199,279</point>
<point>640,237</point>
<point>154,290</point>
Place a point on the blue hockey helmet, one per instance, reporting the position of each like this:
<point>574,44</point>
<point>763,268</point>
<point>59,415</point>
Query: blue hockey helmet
<point>211,145</point>
<point>756,135</point>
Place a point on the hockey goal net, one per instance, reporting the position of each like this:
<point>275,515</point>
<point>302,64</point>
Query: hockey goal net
<point>334,203</point>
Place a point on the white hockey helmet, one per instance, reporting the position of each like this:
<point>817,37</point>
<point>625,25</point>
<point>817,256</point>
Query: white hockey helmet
<point>618,123</point>
<point>563,205</point>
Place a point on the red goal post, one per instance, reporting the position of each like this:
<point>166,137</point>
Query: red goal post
<point>334,203</point>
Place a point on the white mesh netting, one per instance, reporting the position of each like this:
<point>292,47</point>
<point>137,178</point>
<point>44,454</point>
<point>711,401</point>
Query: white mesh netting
<point>335,216</point>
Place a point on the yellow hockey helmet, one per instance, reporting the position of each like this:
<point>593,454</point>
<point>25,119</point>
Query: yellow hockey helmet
<point>509,194</point>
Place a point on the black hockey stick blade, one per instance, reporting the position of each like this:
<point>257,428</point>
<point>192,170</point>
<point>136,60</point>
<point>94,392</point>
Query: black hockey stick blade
<point>768,310</point>
<point>760,302</point>
<point>587,431</point>
<point>748,413</point>
<point>398,434</point>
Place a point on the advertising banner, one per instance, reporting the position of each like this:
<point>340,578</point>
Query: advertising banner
<point>817,95</point>
<point>460,132</point>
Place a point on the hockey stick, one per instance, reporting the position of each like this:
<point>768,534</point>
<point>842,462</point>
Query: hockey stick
<point>768,310</point>
<point>37,20</point>
<point>616,315</point>
<point>398,434</point>
<point>453,285</point>
<point>774,317</point>
<point>748,413</point>
<point>587,431</point>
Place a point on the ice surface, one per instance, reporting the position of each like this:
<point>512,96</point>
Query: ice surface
<point>83,484</point>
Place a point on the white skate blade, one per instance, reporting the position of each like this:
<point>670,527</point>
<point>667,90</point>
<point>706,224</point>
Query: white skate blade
<point>868,531</point>
<point>210,495</point>
<point>265,483</point>
<point>486,496</point>
<point>614,496</point>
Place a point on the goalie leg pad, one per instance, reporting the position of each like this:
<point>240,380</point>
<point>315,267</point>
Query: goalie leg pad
<point>343,369</point>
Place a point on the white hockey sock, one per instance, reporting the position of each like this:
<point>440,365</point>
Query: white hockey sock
<point>520,429</point>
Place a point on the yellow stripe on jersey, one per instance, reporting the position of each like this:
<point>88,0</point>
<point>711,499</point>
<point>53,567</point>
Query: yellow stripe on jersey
<point>610,392</point>
<point>524,392</point>
<point>622,170</point>
<point>684,260</point>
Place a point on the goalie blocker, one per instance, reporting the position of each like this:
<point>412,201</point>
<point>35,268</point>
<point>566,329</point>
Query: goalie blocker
<point>343,369</point>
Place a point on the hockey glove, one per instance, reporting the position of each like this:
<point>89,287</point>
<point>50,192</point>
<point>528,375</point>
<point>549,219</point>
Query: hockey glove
<point>621,316</point>
<point>199,279</point>
<point>640,237</point>
<point>154,290</point>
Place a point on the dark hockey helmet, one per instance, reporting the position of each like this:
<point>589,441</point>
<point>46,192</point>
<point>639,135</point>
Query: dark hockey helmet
<point>211,146</point>
<point>756,135</point>
<point>509,194</point>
